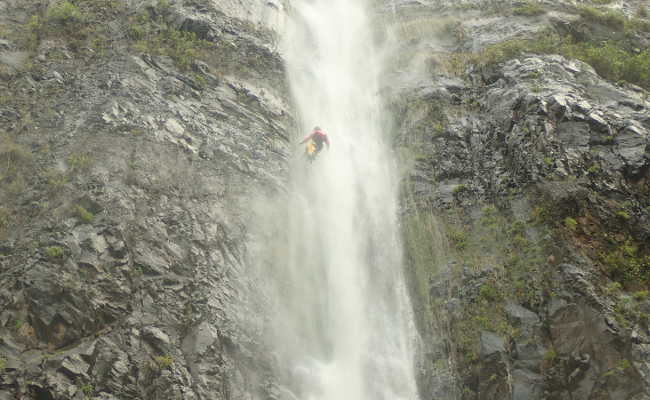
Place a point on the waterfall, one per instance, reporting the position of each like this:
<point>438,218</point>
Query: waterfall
<point>344,325</point>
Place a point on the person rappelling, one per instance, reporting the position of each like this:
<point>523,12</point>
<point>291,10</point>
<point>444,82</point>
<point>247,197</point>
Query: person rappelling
<point>315,142</point>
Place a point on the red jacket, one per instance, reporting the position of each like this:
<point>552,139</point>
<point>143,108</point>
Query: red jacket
<point>318,137</point>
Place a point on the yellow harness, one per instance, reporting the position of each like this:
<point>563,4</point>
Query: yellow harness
<point>311,148</point>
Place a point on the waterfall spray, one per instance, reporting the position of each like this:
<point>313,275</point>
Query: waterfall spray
<point>344,325</point>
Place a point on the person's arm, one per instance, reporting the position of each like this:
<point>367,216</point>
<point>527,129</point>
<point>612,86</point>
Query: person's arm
<point>307,138</point>
<point>327,142</point>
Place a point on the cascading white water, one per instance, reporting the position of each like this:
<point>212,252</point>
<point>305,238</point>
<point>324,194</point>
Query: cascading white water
<point>344,326</point>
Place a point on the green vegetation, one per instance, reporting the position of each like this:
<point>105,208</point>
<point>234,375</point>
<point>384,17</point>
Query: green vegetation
<point>610,60</point>
<point>163,362</point>
<point>458,238</point>
<point>54,252</point>
<point>624,263</point>
<point>3,363</point>
<point>14,159</point>
<point>422,240</point>
<point>593,169</point>
<point>87,390</point>
<point>55,179</point>
<point>161,38</point>
<point>642,11</point>
<point>571,224</point>
<point>75,22</point>
<point>438,129</point>
<point>529,9</point>
<point>614,59</point>
<point>510,255</point>
<point>550,354</point>
<point>613,288</point>
<point>612,19</point>
<point>460,188</point>
<point>550,357</point>
<point>505,241</point>
<point>83,214</point>
<point>79,162</point>
<point>4,222</point>
<point>490,293</point>
<point>624,215</point>
<point>628,311</point>
<point>65,12</point>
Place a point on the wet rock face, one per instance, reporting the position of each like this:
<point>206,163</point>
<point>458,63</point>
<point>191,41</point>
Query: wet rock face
<point>540,116</point>
<point>124,226</point>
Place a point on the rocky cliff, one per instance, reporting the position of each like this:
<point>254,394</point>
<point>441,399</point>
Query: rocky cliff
<point>133,136</point>
<point>523,132</point>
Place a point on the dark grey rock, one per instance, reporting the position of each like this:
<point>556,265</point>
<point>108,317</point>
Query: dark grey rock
<point>527,385</point>
<point>520,315</point>
<point>491,344</point>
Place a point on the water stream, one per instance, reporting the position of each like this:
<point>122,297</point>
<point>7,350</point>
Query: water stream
<point>344,324</point>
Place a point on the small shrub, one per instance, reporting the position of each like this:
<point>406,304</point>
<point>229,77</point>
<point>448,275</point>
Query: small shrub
<point>626,265</point>
<point>550,354</point>
<point>548,161</point>
<point>641,295</point>
<point>489,217</point>
<point>549,359</point>
<point>14,158</point>
<point>623,215</point>
<point>517,228</point>
<point>200,81</point>
<point>529,9</point>
<point>520,242</point>
<point>55,179</point>
<point>593,169</point>
<point>636,26</point>
<point>87,389</point>
<point>54,252</point>
<point>619,369</point>
<point>164,361</point>
<point>642,11</point>
<point>460,188</point>
<point>489,292</point>
<point>613,288</point>
<point>3,363</point>
<point>79,162</point>
<point>163,39</point>
<point>64,13</point>
<point>136,31</point>
<point>571,224</point>
<point>458,239</point>
<point>438,129</point>
<point>612,19</point>
<point>608,60</point>
<point>163,5</point>
<point>83,214</point>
